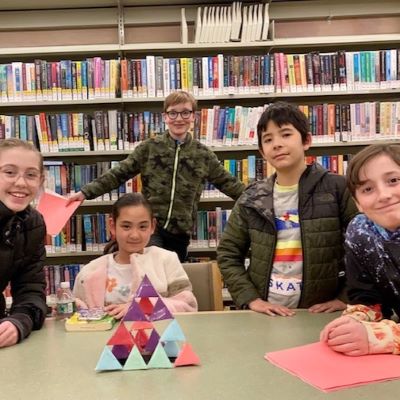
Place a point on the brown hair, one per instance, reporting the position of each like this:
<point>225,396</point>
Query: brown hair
<point>13,143</point>
<point>362,157</point>
<point>179,97</point>
<point>127,200</point>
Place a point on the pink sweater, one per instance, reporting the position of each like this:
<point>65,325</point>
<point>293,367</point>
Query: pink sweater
<point>161,266</point>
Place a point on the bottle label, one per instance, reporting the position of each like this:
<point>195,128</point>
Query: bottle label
<point>65,308</point>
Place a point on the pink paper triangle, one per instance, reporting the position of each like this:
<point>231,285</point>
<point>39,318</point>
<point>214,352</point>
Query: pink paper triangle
<point>187,356</point>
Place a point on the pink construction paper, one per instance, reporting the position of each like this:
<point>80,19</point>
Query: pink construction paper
<point>55,211</point>
<point>328,370</point>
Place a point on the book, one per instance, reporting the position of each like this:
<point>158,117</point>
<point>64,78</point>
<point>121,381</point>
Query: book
<point>75,324</point>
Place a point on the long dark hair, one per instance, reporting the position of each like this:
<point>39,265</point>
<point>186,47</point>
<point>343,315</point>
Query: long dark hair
<point>127,200</point>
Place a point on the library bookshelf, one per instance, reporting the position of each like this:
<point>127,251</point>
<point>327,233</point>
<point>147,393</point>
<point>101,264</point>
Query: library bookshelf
<point>58,42</point>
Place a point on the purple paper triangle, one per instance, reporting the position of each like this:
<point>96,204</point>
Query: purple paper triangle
<point>152,342</point>
<point>160,312</point>
<point>134,313</point>
<point>146,289</point>
<point>120,351</point>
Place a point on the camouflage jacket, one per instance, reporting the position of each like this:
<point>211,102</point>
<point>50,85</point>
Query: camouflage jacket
<point>173,176</point>
<point>325,209</point>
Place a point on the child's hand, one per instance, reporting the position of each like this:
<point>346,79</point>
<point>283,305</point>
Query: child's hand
<point>8,334</point>
<point>346,335</point>
<point>328,306</point>
<point>76,197</point>
<point>117,310</point>
<point>264,307</point>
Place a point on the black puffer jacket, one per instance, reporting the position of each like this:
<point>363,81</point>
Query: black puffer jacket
<point>22,256</point>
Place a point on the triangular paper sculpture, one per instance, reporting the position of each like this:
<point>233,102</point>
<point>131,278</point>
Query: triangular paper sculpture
<point>173,332</point>
<point>121,336</point>
<point>135,360</point>
<point>107,361</point>
<point>187,356</point>
<point>138,345</point>
<point>160,312</point>
<point>159,359</point>
<point>146,289</point>
<point>134,313</point>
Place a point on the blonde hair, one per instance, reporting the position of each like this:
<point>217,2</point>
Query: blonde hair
<point>179,97</point>
<point>13,143</point>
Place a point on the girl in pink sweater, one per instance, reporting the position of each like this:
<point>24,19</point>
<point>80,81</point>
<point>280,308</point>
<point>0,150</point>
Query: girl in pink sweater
<point>111,280</point>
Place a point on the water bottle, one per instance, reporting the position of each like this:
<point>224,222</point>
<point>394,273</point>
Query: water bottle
<point>65,301</point>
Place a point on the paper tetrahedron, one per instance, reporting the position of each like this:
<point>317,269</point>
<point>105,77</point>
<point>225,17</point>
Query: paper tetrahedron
<point>136,343</point>
<point>173,332</point>
<point>107,361</point>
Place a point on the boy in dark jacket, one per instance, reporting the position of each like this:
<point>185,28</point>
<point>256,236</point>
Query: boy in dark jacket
<point>372,257</point>
<point>22,251</point>
<point>293,222</point>
<point>173,168</point>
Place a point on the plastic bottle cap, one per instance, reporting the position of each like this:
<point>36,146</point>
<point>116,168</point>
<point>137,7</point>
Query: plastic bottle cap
<point>64,285</point>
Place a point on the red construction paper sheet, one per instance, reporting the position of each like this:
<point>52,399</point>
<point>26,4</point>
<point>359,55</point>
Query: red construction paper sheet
<point>55,211</point>
<point>327,370</point>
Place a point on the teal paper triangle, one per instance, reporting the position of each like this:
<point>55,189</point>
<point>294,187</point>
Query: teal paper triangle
<point>173,333</point>
<point>135,360</point>
<point>107,361</point>
<point>171,349</point>
<point>159,359</point>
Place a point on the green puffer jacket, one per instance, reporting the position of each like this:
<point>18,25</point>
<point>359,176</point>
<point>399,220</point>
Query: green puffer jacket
<point>325,209</point>
<point>173,177</point>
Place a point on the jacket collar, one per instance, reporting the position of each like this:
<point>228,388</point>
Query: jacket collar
<point>6,214</point>
<point>259,195</point>
<point>171,142</point>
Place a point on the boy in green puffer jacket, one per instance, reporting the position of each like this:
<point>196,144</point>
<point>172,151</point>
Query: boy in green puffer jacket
<point>294,224</point>
<point>173,169</point>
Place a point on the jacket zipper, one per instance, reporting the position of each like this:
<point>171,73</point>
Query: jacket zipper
<point>270,262</point>
<point>171,201</point>
<point>302,250</point>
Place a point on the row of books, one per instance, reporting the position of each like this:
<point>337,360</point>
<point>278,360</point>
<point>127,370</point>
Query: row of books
<point>216,24</point>
<point>55,274</point>
<point>268,73</point>
<point>65,178</point>
<point>157,76</point>
<point>104,130</point>
<point>91,232</point>
<point>208,227</point>
<point>329,123</point>
<point>83,232</point>
<point>216,126</point>
<point>43,80</point>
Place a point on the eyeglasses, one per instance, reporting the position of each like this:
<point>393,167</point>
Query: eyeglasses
<point>11,174</point>
<point>185,114</point>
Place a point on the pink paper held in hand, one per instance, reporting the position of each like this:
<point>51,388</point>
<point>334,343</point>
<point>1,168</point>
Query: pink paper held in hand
<point>339,371</point>
<point>55,211</point>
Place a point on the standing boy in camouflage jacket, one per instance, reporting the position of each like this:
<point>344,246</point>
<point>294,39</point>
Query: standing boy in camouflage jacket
<point>173,168</point>
<point>294,223</point>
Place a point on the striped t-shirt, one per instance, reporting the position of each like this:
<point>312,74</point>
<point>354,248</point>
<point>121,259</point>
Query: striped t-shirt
<point>287,270</point>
